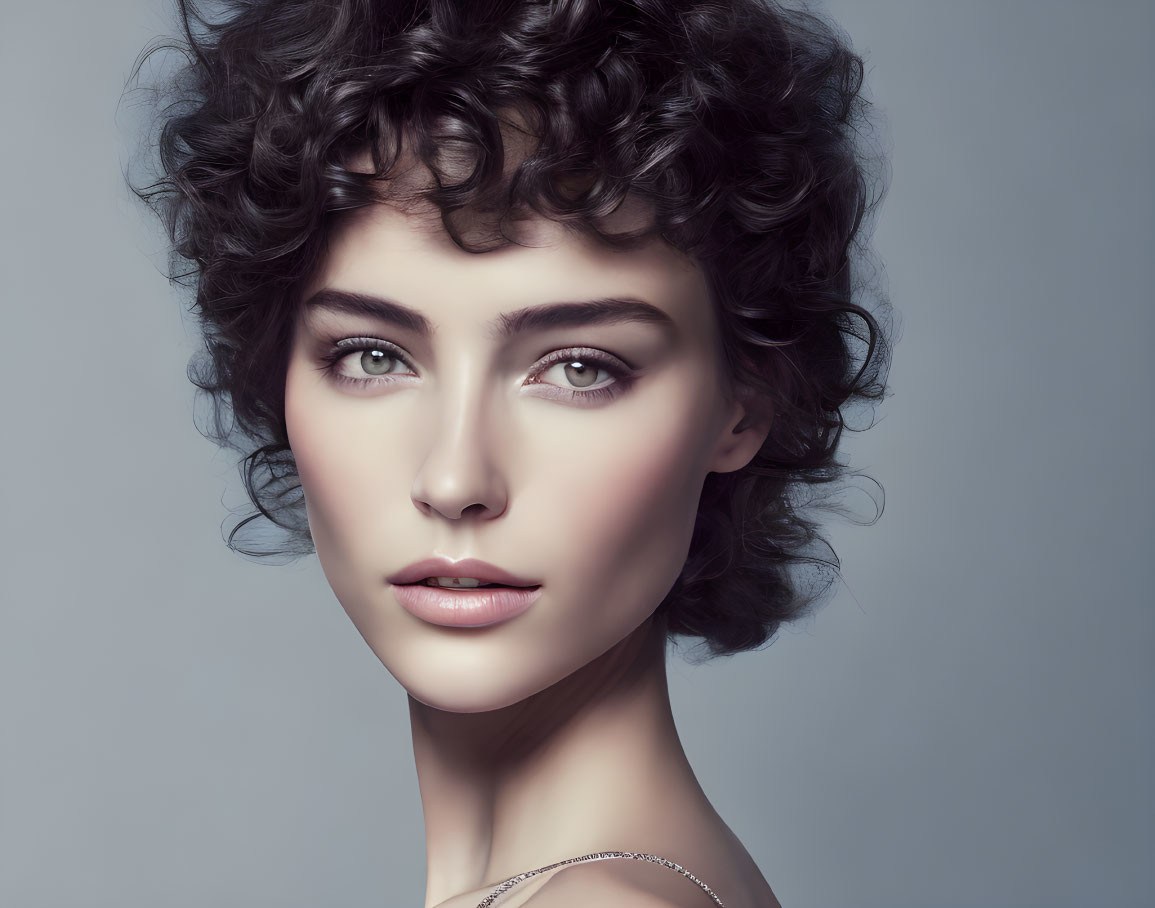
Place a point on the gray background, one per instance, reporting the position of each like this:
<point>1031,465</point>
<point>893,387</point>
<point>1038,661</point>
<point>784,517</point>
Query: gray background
<point>968,722</point>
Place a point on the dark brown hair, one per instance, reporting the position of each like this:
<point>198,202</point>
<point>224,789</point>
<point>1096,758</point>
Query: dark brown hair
<point>739,122</point>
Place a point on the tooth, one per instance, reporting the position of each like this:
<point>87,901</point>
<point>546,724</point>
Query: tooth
<point>465,582</point>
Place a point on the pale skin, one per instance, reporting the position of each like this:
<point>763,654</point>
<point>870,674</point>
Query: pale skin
<point>550,735</point>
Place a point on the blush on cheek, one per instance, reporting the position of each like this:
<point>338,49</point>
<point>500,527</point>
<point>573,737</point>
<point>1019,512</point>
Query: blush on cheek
<point>336,528</point>
<point>634,524</point>
<point>339,508</point>
<point>659,503</point>
<point>311,441</point>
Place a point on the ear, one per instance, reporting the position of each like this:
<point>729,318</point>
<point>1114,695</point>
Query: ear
<point>742,437</point>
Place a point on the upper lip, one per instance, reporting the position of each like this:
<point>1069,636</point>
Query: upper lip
<point>467,567</point>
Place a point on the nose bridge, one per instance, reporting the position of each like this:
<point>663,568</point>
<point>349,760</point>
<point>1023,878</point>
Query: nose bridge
<point>460,470</point>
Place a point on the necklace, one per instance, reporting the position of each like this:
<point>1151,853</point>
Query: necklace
<point>598,856</point>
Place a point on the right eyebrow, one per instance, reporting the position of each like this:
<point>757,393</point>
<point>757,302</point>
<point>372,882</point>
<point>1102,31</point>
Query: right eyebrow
<point>373,307</point>
<point>608,310</point>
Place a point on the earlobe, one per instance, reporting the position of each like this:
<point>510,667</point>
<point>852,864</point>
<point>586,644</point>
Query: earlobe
<point>741,439</point>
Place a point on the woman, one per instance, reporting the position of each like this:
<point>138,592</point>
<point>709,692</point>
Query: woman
<point>537,322</point>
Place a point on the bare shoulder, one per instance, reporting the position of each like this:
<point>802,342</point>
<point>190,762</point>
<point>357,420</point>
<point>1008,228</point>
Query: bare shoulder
<point>624,883</point>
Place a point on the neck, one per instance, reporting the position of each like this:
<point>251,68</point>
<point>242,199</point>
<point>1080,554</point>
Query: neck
<point>592,763</point>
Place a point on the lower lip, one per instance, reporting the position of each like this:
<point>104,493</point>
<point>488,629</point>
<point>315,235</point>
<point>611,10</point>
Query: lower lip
<point>464,608</point>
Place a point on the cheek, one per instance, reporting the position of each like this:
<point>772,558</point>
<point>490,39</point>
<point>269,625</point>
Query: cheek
<point>624,505</point>
<point>340,471</point>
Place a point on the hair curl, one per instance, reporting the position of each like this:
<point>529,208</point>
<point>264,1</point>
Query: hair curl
<point>739,122</point>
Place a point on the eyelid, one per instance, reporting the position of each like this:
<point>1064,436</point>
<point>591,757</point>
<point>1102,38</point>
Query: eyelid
<point>347,346</point>
<point>372,343</point>
<point>622,373</point>
<point>342,349</point>
<point>617,366</point>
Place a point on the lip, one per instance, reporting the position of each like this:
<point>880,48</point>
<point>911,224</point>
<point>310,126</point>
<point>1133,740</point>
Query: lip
<point>467,567</point>
<point>463,608</point>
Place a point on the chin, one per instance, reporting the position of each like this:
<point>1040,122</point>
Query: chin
<point>465,701</point>
<point>470,678</point>
<point>462,674</point>
<point>472,698</point>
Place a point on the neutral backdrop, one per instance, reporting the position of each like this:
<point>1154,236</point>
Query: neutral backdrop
<point>970,721</point>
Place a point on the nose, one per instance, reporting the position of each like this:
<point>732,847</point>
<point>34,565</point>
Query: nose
<point>460,475</point>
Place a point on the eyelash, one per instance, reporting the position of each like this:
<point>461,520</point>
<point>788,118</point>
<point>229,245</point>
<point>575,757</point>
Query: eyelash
<point>345,348</point>
<point>621,374</point>
<point>617,369</point>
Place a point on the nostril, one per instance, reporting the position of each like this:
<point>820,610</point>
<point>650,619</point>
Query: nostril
<point>454,494</point>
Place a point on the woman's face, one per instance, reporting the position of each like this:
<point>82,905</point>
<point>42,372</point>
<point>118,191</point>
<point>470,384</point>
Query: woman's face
<point>444,404</point>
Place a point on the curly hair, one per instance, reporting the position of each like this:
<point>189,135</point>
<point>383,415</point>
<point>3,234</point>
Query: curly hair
<point>738,122</point>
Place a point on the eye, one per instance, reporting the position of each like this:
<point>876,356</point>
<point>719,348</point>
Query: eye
<point>580,374</point>
<point>366,361</point>
<point>375,362</point>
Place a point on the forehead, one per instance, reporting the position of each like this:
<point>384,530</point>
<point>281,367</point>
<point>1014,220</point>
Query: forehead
<point>407,256</point>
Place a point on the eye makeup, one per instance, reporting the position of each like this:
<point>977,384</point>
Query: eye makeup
<point>348,354</point>
<point>621,374</point>
<point>347,349</point>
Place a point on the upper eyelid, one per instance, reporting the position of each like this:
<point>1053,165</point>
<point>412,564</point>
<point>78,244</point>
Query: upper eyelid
<point>358,344</point>
<point>603,357</point>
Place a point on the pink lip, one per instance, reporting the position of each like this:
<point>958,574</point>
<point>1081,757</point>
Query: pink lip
<point>467,567</point>
<point>463,608</point>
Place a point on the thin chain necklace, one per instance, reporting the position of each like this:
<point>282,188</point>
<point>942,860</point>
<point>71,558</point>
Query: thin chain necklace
<point>599,856</point>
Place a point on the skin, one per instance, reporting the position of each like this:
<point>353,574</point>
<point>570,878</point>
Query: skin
<point>549,735</point>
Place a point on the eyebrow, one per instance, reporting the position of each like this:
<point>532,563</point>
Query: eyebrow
<point>371,306</point>
<point>603,311</point>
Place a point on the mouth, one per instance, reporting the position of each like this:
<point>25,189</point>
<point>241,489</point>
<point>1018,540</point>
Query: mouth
<point>465,593</point>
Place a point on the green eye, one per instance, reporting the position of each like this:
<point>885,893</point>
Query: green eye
<point>581,374</point>
<point>366,362</point>
<point>377,362</point>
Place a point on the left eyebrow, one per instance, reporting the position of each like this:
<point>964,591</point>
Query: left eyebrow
<point>607,311</point>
